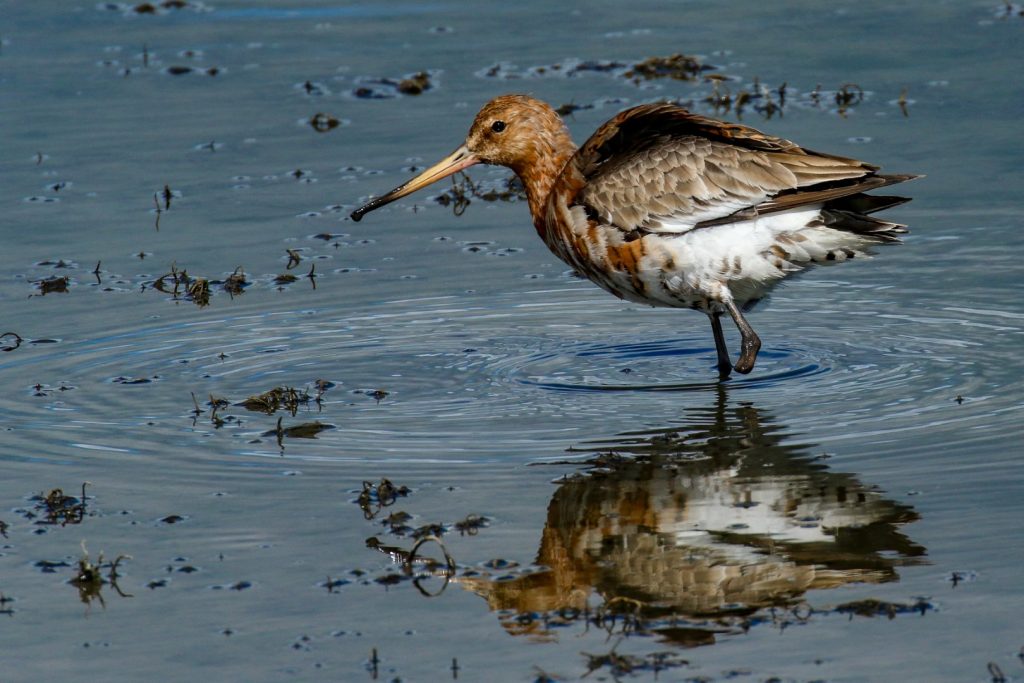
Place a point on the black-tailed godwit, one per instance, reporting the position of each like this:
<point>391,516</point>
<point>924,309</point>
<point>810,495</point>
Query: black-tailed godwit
<point>668,208</point>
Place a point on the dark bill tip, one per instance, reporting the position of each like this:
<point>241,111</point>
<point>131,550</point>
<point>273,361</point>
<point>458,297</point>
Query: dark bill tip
<point>458,160</point>
<point>376,203</point>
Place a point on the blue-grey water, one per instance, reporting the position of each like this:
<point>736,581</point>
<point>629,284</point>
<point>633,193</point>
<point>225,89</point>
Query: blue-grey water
<point>850,511</point>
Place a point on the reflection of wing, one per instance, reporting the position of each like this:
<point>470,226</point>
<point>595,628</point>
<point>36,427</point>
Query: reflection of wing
<point>659,168</point>
<point>716,515</point>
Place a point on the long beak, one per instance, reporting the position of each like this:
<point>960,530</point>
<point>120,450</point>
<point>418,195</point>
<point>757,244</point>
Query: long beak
<point>458,160</point>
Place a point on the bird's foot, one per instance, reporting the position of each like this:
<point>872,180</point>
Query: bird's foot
<point>748,356</point>
<point>724,370</point>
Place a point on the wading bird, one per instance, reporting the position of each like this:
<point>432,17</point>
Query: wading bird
<point>668,208</point>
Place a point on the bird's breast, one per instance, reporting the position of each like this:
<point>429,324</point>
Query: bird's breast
<point>639,267</point>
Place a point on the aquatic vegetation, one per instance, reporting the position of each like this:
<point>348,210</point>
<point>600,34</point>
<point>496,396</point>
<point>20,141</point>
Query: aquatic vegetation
<point>167,194</point>
<point>627,665</point>
<point>183,287</point>
<point>1010,10</point>
<point>285,279</point>
<point>368,88</point>
<point>882,608</point>
<point>848,95</point>
<point>10,341</point>
<point>570,108</point>
<point>154,8</point>
<point>376,394</point>
<point>184,70</point>
<point>89,579</point>
<point>374,497</point>
<point>56,507</point>
<point>471,524</point>
<point>409,559</point>
<point>323,123</point>
<point>459,196</point>
<point>235,283</point>
<point>313,89</point>
<point>415,84</point>
<point>284,398</point>
<point>303,430</point>
<point>678,66</point>
<point>53,284</point>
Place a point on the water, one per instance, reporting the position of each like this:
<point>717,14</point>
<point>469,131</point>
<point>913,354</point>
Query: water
<point>848,512</point>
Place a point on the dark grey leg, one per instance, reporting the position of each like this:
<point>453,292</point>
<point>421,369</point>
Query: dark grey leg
<point>724,366</point>
<point>750,343</point>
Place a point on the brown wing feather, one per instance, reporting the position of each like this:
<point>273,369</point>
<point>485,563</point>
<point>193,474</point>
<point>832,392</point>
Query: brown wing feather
<point>660,167</point>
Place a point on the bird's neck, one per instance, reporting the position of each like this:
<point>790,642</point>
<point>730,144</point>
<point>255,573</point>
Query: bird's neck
<point>539,171</point>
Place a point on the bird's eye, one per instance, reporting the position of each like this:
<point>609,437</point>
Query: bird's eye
<point>498,126</point>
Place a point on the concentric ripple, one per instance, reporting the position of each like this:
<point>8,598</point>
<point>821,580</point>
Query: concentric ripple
<point>464,377</point>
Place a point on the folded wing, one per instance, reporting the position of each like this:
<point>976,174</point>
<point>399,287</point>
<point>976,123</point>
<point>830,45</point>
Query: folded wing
<point>659,168</point>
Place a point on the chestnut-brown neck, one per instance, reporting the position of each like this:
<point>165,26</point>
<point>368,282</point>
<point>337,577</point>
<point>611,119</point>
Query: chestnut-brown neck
<point>539,170</point>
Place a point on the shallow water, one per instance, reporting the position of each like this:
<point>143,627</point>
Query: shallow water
<point>850,511</point>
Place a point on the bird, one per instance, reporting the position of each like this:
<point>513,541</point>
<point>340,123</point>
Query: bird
<point>665,207</point>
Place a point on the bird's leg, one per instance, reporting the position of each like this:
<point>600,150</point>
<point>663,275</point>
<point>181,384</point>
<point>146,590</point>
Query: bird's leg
<point>724,366</point>
<point>750,343</point>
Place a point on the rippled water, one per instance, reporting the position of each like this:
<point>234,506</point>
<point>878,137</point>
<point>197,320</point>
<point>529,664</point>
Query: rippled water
<point>850,511</point>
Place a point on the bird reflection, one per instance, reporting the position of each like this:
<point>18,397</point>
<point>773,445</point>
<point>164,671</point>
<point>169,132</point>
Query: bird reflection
<point>704,527</point>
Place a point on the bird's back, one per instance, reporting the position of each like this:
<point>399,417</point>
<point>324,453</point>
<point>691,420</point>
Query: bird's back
<point>663,206</point>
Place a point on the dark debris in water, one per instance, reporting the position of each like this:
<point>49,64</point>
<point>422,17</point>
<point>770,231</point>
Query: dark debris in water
<point>42,390</point>
<point>9,341</point>
<point>996,673</point>
<point>571,108</point>
<point>729,95</point>
<point>1010,10</point>
<point>386,88</point>
<point>56,508</point>
<point>154,8</point>
<point>286,398</point>
<point>763,100</point>
<point>882,608</point>
<point>678,66</point>
<point>281,398</point>
<point>303,430</point>
<point>323,123</point>
<point>233,284</point>
<point>569,68</point>
<point>50,566</point>
<point>415,84</point>
<point>122,379</point>
<point>53,284</point>
<point>313,88</point>
<point>377,395</point>
<point>181,286</point>
<point>471,525</point>
<point>626,616</point>
<point>58,264</point>
<point>618,665</point>
<point>285,279</point>
<point>375,497</point>
<point>464,190</point>
<point>184,70</point>
<point>414,565</point>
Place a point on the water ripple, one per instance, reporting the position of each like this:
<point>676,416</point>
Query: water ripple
<point>461,374</point>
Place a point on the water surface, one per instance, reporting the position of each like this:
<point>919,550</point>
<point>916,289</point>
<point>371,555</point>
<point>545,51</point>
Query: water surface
<point>848,512</point>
